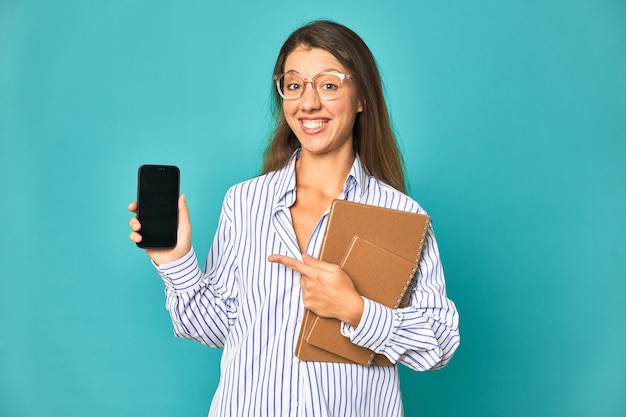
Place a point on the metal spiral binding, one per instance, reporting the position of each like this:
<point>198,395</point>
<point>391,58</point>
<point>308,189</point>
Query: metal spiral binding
<point>406,291</point>
<point>409,285</point>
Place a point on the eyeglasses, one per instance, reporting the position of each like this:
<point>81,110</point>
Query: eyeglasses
<point>327,85</point>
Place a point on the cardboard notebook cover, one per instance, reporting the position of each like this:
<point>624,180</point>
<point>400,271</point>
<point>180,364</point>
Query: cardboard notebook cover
<point>399,232</point>
<point>378,275</point>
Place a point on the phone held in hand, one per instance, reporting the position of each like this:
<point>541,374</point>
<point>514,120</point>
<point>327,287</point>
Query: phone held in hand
<point>157,205</point>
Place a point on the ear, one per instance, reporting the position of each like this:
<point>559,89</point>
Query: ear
<point>359,108</point>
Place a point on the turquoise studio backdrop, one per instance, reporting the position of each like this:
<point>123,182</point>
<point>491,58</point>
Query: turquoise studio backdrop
<point>512,119</point>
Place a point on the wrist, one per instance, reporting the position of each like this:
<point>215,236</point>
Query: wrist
<point>355,312</point>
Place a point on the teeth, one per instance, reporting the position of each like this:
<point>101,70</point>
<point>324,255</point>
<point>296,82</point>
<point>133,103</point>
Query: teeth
<point>313,124</point>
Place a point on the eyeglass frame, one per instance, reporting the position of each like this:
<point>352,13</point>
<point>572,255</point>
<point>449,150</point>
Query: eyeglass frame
<point>306,81</point>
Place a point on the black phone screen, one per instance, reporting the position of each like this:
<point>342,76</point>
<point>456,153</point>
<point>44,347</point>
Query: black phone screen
<point>157,205</point>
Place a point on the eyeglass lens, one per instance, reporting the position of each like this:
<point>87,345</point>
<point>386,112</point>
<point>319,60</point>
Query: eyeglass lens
<point>326,85</point>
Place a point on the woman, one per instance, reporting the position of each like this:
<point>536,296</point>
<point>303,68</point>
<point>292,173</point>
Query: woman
<point>332,140</point>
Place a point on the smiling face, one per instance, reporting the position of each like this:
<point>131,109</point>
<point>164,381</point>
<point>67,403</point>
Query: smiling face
<point>321,126</point>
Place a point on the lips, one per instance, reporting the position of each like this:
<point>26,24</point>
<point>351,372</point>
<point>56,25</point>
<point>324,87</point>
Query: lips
<point>312,126</point>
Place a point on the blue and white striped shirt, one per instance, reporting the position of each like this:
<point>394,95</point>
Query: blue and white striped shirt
<point>253,309</point>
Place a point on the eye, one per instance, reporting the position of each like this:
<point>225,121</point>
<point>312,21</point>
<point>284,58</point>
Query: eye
<point>328,83</point>
<point>328,86</point>
<point>293,86</point>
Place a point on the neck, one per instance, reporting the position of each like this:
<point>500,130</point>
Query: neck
<point>323,172</point>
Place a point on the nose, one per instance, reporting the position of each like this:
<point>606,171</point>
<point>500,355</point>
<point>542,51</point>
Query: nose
<point>309,99</point>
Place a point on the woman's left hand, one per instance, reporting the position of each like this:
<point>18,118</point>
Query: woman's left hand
<point>326,289</point>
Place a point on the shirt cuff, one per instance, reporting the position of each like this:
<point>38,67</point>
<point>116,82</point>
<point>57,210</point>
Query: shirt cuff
<point>375,328</point>
<point>181,275</point>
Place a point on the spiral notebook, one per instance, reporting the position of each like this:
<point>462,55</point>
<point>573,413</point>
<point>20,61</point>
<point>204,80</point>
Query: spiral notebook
<point>377,274</point>
<point>399,232</point>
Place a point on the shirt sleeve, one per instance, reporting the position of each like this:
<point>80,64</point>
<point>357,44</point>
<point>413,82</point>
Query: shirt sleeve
<point>425,334</point>
<point>203,304</point>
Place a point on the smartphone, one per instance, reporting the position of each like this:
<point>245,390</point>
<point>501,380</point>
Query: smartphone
<point>157,205</point>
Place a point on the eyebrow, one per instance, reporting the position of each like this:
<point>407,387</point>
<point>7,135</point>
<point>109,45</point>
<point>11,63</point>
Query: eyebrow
<point>326,70</point>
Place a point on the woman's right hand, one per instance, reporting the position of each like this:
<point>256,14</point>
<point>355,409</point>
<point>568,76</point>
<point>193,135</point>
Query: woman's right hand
<point>183,245</point>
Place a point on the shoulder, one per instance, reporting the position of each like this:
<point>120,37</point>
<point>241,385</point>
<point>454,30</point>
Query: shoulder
<point>261,190</point>
<point>381,194</point>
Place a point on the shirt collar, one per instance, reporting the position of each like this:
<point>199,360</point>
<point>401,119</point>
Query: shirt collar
<point>355,187</point>
<point>286,182</point>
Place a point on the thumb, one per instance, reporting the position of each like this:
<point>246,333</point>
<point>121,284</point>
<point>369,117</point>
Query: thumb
<point>183,211</point>
<point>184,224</point>
<point>312,261</point>
<point>318,263</point>
<point>309,260</point>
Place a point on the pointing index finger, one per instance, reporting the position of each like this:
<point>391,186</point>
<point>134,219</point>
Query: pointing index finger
<point>291,263</point>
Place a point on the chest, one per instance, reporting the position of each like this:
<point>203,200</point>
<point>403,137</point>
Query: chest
<point>306,214</point>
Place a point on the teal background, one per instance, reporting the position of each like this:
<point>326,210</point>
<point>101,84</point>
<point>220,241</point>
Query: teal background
<point>511,116</point>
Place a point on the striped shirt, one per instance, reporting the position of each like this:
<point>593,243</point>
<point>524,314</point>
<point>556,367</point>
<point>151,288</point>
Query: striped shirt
<point>253,309</point>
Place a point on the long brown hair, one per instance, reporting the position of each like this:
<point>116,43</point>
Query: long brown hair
<point>373,138</point>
